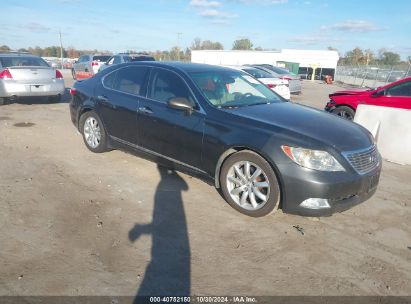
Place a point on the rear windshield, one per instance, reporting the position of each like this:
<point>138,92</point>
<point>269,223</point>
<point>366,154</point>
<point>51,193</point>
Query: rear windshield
<point>258,73</point>
<point>140,58</point>
<point>101,58</point>
<point>22,61</point>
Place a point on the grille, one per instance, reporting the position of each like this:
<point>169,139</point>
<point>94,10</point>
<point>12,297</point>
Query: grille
<point>364,161</point>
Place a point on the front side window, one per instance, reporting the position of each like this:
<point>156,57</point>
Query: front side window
<point>131,80</point>
<point>230,89</point>
<point>166,85</point>
<point>403,90</point>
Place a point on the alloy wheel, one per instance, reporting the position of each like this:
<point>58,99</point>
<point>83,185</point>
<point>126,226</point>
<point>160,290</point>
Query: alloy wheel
<point>92,132</point>
<point>248,185</point>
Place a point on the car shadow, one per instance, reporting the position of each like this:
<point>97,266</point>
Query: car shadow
<point>42,100</point>
<point>168,273</point>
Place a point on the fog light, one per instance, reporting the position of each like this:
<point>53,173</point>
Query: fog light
<point>315,203</point>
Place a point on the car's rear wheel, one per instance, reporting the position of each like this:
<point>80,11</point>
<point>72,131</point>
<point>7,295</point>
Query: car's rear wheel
<point>344,112</point>
<point>249,184</point>
<point>93,132</point>
<point>73,73</point>
<point>3,101</point>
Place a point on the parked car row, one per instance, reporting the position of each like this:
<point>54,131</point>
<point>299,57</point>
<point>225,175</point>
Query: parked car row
<point>260,150</point>
<point>89,65</point>
<point>278,85</point>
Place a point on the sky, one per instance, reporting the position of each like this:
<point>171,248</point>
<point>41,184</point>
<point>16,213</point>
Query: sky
<point>149,25</point>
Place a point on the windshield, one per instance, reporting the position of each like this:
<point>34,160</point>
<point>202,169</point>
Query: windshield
<point>231,89</point>
<point>22,61</point>
<point>279,70</point>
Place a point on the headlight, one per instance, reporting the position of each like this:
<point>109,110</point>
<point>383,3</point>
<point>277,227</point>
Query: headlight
<point>313,159</point>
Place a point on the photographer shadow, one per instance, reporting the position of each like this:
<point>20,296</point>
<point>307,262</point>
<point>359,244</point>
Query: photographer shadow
<point>168,273</point>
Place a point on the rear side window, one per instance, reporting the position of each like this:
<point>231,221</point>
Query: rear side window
<point>101,58</point>
<point>131,80</point>
<point>166,85</point>
<point>22,61</point>
<point>109,80</point>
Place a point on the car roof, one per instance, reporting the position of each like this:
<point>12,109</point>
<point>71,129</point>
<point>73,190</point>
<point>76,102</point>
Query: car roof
<point>182,66</point>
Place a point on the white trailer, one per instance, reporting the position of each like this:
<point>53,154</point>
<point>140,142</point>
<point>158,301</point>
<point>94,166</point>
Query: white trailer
<point>306,58</point>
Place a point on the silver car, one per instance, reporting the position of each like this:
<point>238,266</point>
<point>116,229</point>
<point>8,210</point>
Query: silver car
<point>22,74</point>
<point>293,81</point>
<point>88,65</point>
<point>125,57</point>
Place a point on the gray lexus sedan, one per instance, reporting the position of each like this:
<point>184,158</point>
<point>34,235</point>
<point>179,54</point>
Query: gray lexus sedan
<point>22,74</point>
<point>260,150</point>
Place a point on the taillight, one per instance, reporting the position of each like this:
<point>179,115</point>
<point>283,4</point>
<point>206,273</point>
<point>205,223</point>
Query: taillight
<point>271,86</point>
<point>286,78</point>
<point>5,74</point>
<point>59,75</point>
<point>73,91</point>
<point>94,63</point>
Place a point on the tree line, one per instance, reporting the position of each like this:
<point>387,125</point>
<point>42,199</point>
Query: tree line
<point>357,56</point>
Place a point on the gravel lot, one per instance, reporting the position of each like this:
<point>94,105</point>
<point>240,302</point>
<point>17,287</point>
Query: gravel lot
<point>78,223</point>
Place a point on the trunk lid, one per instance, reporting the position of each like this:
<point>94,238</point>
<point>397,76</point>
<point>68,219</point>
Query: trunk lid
<point>32,73</point>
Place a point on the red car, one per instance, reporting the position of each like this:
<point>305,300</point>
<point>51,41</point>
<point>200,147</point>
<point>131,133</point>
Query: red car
<point>395,95</point>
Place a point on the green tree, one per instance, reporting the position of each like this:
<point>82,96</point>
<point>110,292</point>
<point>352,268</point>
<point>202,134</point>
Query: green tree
<point>242,44</point>
<point>390,58</point>
<point>4,48</point>
<point>355,56</point>
<point>197,44</point>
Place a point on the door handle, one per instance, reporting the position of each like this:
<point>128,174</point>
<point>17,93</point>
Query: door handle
<point>145,110</point>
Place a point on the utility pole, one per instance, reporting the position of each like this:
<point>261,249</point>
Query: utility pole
<point>61,50</point>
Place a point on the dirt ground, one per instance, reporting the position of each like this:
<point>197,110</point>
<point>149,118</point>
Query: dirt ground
<point>77,223</point>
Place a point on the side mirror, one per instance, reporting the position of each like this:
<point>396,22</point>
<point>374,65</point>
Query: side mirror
<point>378,94</point>
<point>181,103</point>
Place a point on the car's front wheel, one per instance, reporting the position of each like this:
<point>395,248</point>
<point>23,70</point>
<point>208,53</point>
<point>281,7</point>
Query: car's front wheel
<point>93,132</point>
<point>249,184</point>
<point>344,112</point>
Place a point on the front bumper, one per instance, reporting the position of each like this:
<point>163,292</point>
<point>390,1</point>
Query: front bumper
<point>11,88</point>
<point>330,106</point>
<point>342,189</point>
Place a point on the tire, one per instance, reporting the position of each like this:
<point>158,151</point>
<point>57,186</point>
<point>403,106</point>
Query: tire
<point>73,74</point>
<point>344,112</point>
<point>254,205</point>
<point>95,139</point>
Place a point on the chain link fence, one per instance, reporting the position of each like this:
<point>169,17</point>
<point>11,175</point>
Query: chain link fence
<point>371,76</point>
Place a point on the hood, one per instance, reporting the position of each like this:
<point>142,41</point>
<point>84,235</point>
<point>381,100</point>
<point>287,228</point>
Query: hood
<point>352,92</point>
<point>319,127</point>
